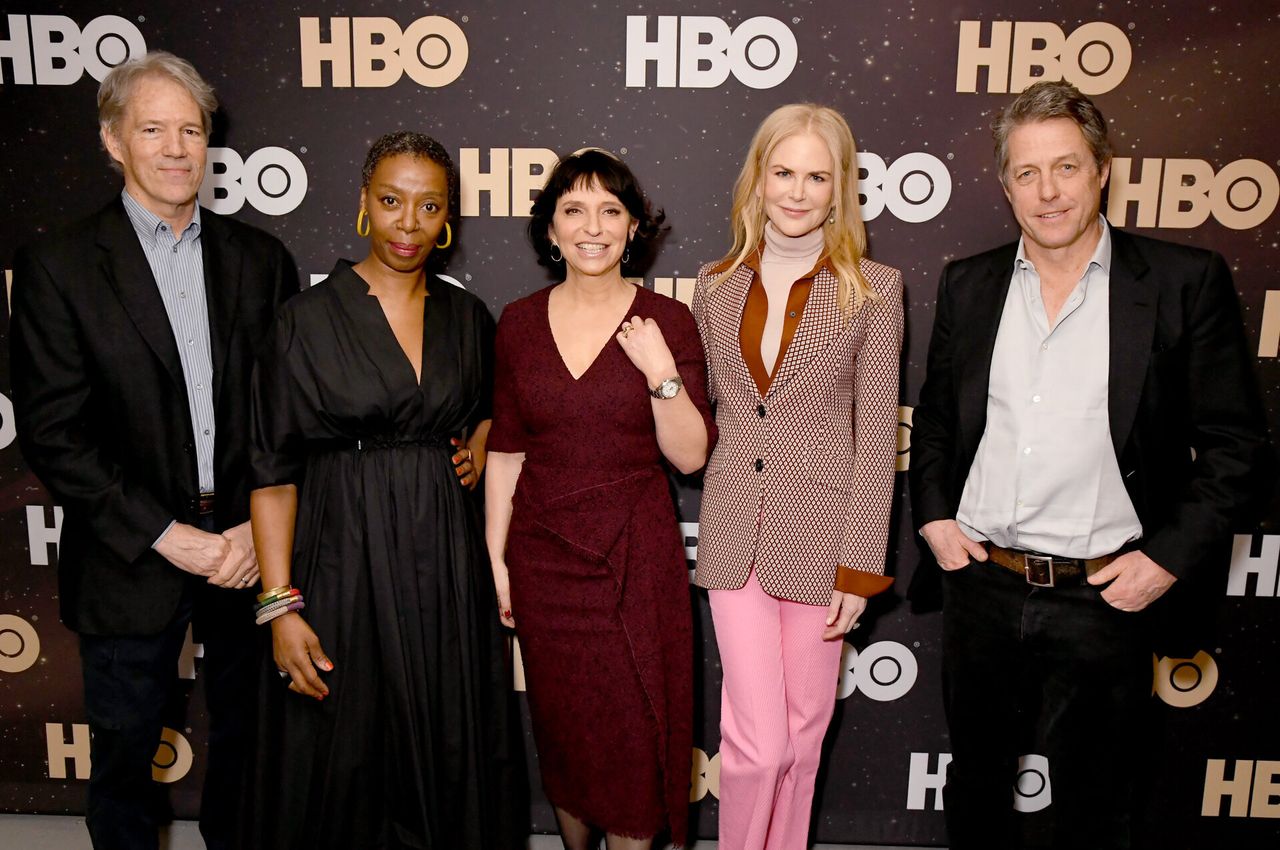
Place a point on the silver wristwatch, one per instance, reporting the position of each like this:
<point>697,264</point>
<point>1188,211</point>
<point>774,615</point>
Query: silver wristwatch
<point>668,388</point>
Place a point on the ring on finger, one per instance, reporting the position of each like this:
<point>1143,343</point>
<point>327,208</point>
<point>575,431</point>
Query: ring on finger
<point>284,674</point>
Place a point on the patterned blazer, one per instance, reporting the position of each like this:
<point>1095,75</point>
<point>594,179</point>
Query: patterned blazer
<point>801,480</point>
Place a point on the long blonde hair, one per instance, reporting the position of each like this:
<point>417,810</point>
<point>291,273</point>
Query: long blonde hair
<point>844,237</point>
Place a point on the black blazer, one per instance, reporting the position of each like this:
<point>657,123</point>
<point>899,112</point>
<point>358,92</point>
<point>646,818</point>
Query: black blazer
<point>101,406</point>
<point>1180,381</point>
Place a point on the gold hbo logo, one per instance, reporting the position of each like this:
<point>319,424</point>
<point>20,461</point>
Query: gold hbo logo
<point>19,644</point>
<point>1185,682</point>
<point>1095,58</point>
<point>68,755</point>
<point>903,462</point>
<point>52,50</point>
<point>706,776</point>
<point>1250,789</point>
<point>375,52</point>
<point>508,180</point>
<point>1183,193</point>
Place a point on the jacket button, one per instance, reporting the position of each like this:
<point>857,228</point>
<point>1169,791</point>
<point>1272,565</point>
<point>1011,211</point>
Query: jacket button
<point>188,448</point>
<point>760,410</point>
<point>759,465</point>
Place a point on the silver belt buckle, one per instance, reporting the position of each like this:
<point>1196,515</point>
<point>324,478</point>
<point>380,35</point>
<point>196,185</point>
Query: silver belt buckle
<point>1039,570</point>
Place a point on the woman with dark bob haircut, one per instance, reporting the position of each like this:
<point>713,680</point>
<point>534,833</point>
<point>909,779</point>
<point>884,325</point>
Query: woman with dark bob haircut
<point>599,388</point>
<point>397,727</point>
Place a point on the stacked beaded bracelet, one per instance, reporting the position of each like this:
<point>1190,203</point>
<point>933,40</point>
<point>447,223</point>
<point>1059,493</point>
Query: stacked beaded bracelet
<point>277,602</point>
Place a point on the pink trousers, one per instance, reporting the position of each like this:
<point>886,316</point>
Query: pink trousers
<point>778,696</point>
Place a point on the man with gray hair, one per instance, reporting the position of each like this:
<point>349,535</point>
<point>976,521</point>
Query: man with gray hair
<point>133,336</point>
<point>1088,432</point>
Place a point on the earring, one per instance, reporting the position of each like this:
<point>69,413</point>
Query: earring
<point>626,254</point>
<point>448,237</point>
<point>556,255</point>
<point>362,223</point>
<point>831,219</point>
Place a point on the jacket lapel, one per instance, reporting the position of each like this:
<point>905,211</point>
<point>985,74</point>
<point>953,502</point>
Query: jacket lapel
<point>222,267</point>
<point>1133,326</point>
<point>820,325</point>
<point>125,268</point>
<point>724,307</point>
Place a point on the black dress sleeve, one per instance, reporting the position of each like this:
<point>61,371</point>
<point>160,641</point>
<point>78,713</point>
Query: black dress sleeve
<point>277,454</point>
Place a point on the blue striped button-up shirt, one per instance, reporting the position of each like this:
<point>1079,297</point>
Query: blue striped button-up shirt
<point>178,267</point>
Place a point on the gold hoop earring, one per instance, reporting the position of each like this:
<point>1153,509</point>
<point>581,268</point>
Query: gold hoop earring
<point>448,237</point>
<point>555,254</point>
<point>362,223</point>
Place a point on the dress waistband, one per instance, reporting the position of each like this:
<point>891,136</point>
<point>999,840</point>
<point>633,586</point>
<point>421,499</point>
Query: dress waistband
<point>389,441</point>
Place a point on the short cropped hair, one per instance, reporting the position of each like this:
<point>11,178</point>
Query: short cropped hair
<point>596,167</point>
<point>1047,100</point>
<point>419,145</point>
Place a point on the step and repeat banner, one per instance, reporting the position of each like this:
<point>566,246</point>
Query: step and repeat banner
<point>676,89</point>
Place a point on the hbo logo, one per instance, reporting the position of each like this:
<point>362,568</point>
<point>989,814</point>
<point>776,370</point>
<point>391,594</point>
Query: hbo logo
<point>884,671</point>
<point>272,180</point>
<point>1181,193</point>
<point>51,50</point>
<point>915,188</point>
<point>1184,682</point>
<point>702,51</point>
<point>432,51</point>
<point>1095,58</point>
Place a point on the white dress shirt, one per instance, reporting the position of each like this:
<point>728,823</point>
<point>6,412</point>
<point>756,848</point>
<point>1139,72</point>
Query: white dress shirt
<point>1045,477</point>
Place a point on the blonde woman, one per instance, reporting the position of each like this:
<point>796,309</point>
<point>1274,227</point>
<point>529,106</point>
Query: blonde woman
<point>802,334</point>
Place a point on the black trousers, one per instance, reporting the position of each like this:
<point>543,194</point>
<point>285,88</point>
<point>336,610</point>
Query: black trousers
<point>127,686</point>
<point>1016,659</point>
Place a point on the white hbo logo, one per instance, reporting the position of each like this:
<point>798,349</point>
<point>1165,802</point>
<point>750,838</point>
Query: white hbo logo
<point>433,51</point>
<point>1185,682</point>
<point>8,431</point>
<point>52,50</point>
<point>1031,790</point>
<point>915,188</point>
<point>884,671</point>
<point>700,52</point>
<point>273,181</point>
<point>19,644</point>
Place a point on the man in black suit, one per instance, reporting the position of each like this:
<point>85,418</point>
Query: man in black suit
<point>1087,433</point>
<point>133,336</point>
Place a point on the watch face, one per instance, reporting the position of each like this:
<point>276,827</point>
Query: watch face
<point>668,389</point>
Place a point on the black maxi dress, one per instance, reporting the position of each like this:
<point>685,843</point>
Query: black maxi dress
<point>416,745</point>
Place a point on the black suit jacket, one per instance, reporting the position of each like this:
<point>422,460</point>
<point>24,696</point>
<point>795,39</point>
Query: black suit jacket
<point>101,405</point>
<point>1187,424</point>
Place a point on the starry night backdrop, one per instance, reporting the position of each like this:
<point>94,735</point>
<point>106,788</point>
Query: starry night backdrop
<point>1202,85</point>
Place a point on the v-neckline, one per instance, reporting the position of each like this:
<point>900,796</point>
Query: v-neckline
<point>546,313</point>
<point>390,332</point>
<point>422,343</point>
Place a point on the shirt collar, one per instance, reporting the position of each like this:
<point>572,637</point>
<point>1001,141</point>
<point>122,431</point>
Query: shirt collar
<point>1101,253</point>
<point>149,226</point>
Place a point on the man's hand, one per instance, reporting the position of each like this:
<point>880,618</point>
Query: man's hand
<point>192,550</point>
<point>239,569</point>
<point>1136,581</point>
<point>951,547</point>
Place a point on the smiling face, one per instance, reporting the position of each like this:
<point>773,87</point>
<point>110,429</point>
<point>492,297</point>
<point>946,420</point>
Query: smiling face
<point>591,227</point>
<point>408,204</point>
<point>798,186</point>
<point>1054,187</point>
<point>161,146</point>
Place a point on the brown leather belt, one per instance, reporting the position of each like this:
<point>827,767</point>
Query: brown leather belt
<point>204,503</point>
<point>1048,570</point>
